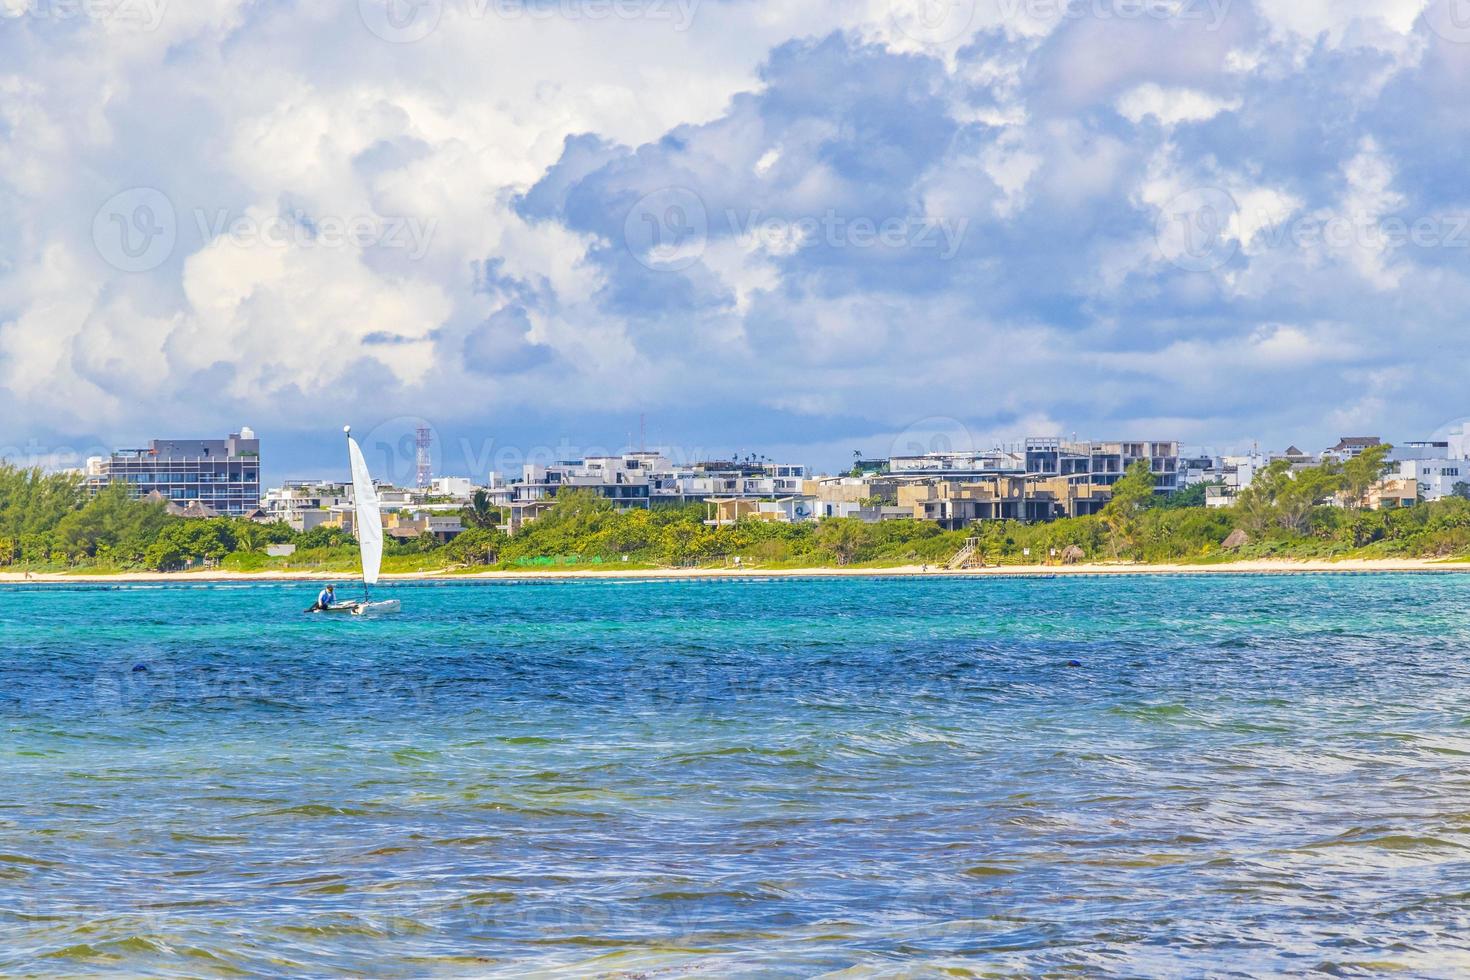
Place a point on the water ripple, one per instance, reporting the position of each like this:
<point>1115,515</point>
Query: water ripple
<point>1144,776</point>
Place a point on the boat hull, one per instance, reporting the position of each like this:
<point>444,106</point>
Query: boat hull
<point>338,608</point>
<point>362,608</point>
<point>377,608</point>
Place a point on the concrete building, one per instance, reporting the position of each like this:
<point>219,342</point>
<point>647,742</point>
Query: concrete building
<point>1104,462</point>
<point>842,496</point>
<point>725,511</point>
<point>1391,493</point>
<point>1198,469</point>
<point>955,505</point>
<point>498,492</point>
<point>1235,474</point>
<point>408,525</point>
<point>959,465</point>
<point>1349,446</point>
<point>456,488</point>
<point>1431,466</point>
<point>304,504</point>
<point>623,480</point>
<point>753,479</point>
<point>642,479</point>
<point>222,475</point>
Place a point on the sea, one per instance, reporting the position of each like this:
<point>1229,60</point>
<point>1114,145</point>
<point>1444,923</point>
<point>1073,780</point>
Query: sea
<point>1222,775</point>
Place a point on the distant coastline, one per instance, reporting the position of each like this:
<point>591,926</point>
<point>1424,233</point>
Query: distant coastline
<point>1252,567</point>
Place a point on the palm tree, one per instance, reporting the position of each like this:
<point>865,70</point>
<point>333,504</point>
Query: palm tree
<point>479,513</point>
<point>249,536</point>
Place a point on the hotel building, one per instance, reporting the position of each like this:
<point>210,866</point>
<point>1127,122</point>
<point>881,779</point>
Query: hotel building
<point>220,474</point>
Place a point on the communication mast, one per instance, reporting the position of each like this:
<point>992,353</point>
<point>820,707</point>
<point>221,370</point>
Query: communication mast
<point>424,440</point>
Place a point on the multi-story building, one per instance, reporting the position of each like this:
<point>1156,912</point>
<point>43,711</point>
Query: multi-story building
<point>1431,467</point>
<point>497,492</point>
<point>458,488</point>
<point>956,505</point>
<point>641,479</point>
<point>1103,463</point>
<point>726,511</point>
<point>1038,480</point>
<point>1238,472</point>
<point>1199,468</point>
<point>845,496</point>
<point>1349,446</point>
<point>409,524</point>
<point>621,479</point>
<point>305,504</point>
<point>750,479</point>
<point>959,465</point>
<point>222,475</point>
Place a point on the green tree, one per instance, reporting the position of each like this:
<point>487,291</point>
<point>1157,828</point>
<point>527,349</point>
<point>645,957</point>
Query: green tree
<point>843,537</point>
<point>1133,492</point>
<point>1361,473</point>
<point>250,536</point>
<point>1282,497</point>
<point>1302,493</point>
<point>1255,505</point>
<point>476,546</point>
<point>479,512</point>
<point>1193,495</point>
<point>325,536</point>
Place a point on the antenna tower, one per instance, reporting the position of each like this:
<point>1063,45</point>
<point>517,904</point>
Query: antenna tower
<point>424,440</point>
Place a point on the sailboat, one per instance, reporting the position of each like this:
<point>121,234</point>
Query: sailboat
<point>369,523</point>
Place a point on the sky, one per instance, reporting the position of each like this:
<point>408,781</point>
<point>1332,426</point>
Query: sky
<point>795,228</point>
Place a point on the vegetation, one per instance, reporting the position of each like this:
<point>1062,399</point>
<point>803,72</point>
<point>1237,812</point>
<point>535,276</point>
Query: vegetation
<point>48,523</point>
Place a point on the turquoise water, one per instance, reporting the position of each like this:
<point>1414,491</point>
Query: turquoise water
<point>769,778</point>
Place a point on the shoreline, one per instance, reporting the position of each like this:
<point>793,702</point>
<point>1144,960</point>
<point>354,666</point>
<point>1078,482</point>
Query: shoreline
<point>1252,567</point>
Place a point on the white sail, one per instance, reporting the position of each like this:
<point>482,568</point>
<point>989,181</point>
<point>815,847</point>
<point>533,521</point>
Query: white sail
<point>369,515</point>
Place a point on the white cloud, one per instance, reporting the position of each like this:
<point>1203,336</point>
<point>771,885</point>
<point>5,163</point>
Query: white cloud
<point>1261,213</point>
<point>1367,201</point>
<point>1335,20</point>
<point>288,110</point>
<point>1172,106</point>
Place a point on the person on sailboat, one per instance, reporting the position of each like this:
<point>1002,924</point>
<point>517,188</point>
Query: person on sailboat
<point>327,597</point>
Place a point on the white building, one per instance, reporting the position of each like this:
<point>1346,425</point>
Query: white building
<point>1433,466</point>
<point>305,504</point>
<point>455,487</point>
<point>1236,473</point>
<point>727,511</point>
<point>991,462</point>
<point>641,479</point>
<point>1199,469</point>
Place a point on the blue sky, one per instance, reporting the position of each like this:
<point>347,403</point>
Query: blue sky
<point>792,228</point>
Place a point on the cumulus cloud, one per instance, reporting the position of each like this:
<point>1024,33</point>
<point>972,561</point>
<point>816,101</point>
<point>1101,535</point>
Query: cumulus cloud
<point>832,218</point>
<point>1172,105</point>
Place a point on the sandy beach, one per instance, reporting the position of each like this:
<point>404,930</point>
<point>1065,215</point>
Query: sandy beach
<point>1254,567</point>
